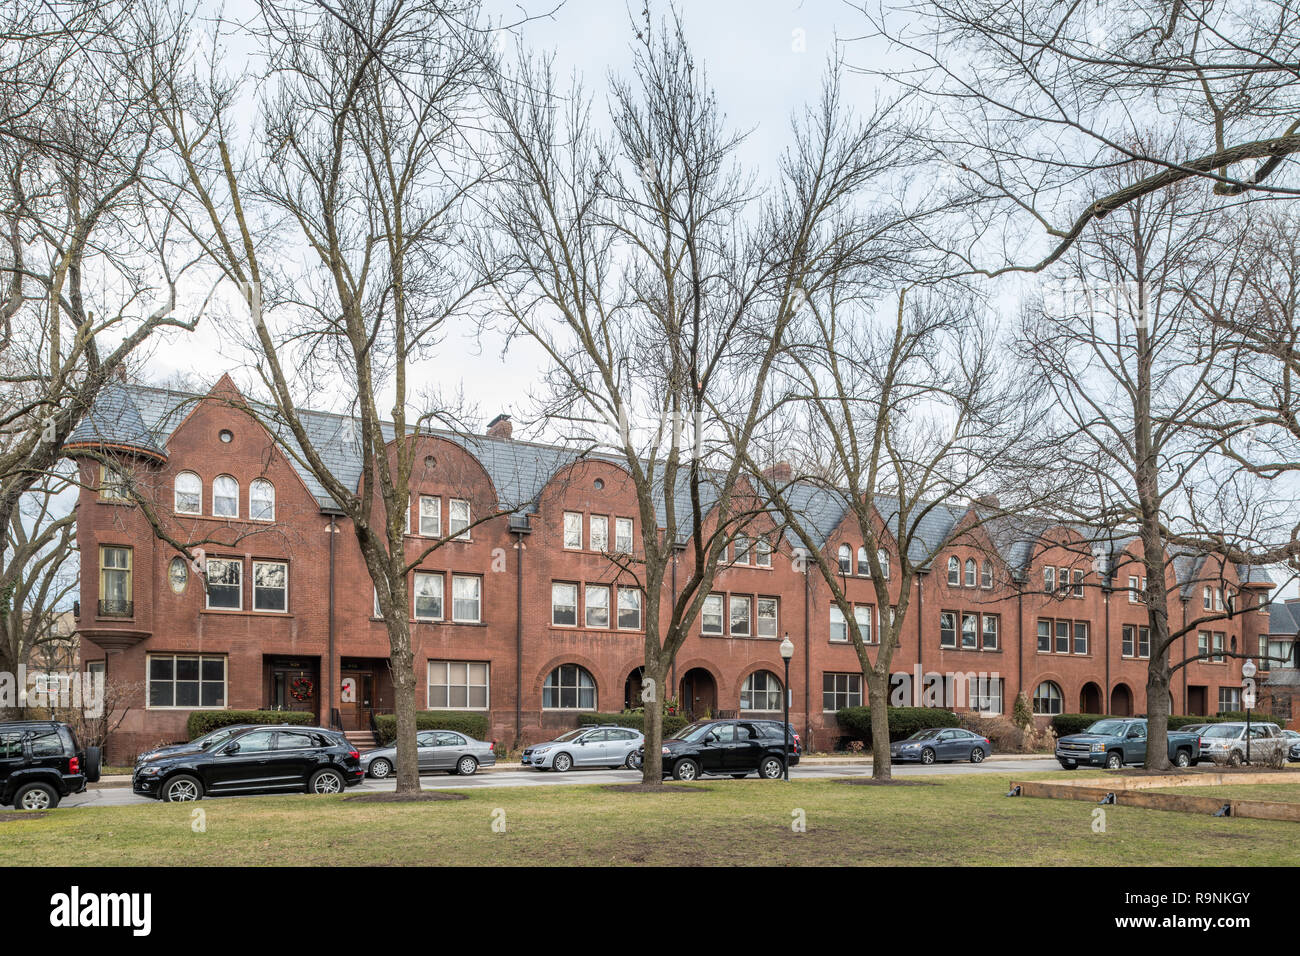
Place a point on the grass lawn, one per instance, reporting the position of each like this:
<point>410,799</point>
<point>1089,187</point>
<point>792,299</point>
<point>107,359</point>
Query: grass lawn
<point>958,820</point>
<point>1283,792</point>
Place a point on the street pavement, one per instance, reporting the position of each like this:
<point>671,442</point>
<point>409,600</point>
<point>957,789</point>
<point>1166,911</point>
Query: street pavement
<point>122,796</point>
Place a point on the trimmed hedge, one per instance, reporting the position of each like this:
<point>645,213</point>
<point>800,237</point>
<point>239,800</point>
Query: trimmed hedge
<point>470,724</point>
<point>205,721</point>
<point>635,720</point>
<point>903,721</point>
<point>1066,724</point>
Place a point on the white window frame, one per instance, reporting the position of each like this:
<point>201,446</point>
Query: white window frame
<point>569,530</point>
<point>593,540</point>
<point>478,600</point>
<point>844,559</point>
<point>620,525</point>
<point>762,553</point>
<point>861,611</point>
<point>837,621</point>
<point>639,607</point>
<point>271,561</point>
<point>747,690</point>
<point>587,607</point>
<point>252,486</point>
<point>235,497</point>
<point>207,596</point>
<point>740,549</point>
<point>744,600</point>
<point>441,595</point>
<point>704,614</point>
<point>759,617</point>
<point>576,608</point>
<point>464,535</point>
<point>446,665</point>
<point>436,517</point>
<point>176,493</point>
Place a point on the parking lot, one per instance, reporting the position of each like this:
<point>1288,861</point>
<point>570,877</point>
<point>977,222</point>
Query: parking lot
<point>116,796</point>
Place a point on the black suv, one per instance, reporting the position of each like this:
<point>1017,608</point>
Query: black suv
<point>734,747</point>
<point>258,759</point>
<point>41,762</point>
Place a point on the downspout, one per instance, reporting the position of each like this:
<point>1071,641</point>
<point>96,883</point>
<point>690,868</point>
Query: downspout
<point>807,664</point>
<point>1020,642</point>
<point>519,636</point>
<point>331,683</point>
<point>1106,700</point>
<point>674,604</point>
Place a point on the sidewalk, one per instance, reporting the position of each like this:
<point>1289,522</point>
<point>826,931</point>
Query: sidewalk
<point>848,760</point>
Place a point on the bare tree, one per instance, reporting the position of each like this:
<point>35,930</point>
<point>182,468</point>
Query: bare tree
<point>1128,371</point>
<point>904,416</point>
<point>1033,104</point>
<point>90,258</point>
<point>363,157</point>
<point>661,285</point>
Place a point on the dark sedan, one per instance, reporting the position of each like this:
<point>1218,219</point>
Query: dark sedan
<point>198,743</point>
<point>942,744</point>
<point>258,760</point>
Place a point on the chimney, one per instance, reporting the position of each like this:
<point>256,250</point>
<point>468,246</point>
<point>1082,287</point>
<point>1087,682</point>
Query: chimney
<point>780,472</point>
<point>499,427</point>
<point>988,501</point>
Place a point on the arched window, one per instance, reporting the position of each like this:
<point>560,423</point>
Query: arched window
<point>954,572</point>
<point>762,692</point>
<point>225,497</point>
<point>846,559</point>
<point>1047,699</point>
<point>986,575</point>
<point>569,687</point>
<point>189,494</point>
<point>883,556</point>
<point>261,500</point>
<point>971,572</point>
<point>864,563</point>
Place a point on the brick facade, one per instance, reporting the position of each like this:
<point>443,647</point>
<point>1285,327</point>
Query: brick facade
<point>266,650</point>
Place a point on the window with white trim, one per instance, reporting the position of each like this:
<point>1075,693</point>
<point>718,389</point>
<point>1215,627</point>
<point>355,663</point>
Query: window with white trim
<point>597,605</point>
<point>573,530</point>
<point>564,604</point>
<point>623,535</point>
<point>466,598</point>
<point>598,531</point>
<point>947,629</point>
<point>839,627</point>
<point>970,632</point>
<point>225,497</point>
<point>225,583</point>
<point>984,694</point>
<point>767,623</point>
<point>569,687</point>
<point>741,623</point>
<point>763,553</point>
<point>862,614</point>
<point>431,516</point>
<point>1049,580</point>
<point>261,500</point>
<point>971,573</point>
<point>458,519</point>
<point>846,559</point>
<point>188,494</point>
<point>761,692</point>
<point>740,550</point>
<point>428,596</point>
<point>954,572</point>
<point>458,685</point>
<point>191,681</point>
<point>711,615</point>
<point>270,586</point>
<point>629,609</point>
<point>986,575</point>
<point>992,624</point>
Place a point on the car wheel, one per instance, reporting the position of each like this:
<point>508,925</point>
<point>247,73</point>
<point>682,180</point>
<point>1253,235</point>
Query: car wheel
<point>1067,765</point>
<point>1235,759</point>
<point>325,781</point>
<point>36,796</point>
<point>92,765</point>
<point>927,755</point>
<point>1113,760</point>
<point>1182,759</point>
<point>770,768</point>
<point>182,789</point>
<point>686,769</point>
<point>632,763</point>
<point>977,755</point>
<point>381,768</point>
<point>562,763</point>
<point>466,766</point>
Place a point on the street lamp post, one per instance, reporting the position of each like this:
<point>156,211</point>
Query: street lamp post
<point>787,652</point>
<point>1248,671</point>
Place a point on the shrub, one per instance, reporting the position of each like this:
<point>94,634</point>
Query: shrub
<point>1002,732</point>
<point>903,721</point>
<point>630,718</point>
<point>205,721</point>
<point>472,725</point>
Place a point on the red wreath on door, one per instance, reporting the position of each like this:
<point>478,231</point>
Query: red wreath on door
<point>301,689</point>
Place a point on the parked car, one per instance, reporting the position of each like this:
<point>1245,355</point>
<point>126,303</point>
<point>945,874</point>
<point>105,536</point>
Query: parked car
<point>198,743</point>
<point>1293,755</point>
<point>608,746</point>
<point>41,762</point>
<point>944,744</point>
<point>260,759</point>
<point>1193,728</point>
<point>1115,741</point>
<point>727,747</point>
<point>445,750</point>
<point>1226,743</point>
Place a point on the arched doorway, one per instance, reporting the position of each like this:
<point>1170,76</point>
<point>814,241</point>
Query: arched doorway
<point>632,690</point>
<point>699,694</point>
<point>1121,701</point>
<point>1090,699</point>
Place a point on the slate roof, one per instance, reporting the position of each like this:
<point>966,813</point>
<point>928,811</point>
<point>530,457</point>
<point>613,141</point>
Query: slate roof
<point>1284,618</point>
<point>116,420</point>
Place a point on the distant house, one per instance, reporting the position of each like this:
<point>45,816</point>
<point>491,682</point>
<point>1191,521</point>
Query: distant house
<point>1281,681</point>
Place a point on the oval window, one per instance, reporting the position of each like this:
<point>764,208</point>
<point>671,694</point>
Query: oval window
<point>178,574</point>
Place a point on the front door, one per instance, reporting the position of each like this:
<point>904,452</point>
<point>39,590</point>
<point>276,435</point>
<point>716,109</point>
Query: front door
<point>360,686</point>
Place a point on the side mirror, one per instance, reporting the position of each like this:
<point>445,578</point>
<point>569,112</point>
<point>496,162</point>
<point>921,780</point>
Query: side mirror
<point>231,749</point>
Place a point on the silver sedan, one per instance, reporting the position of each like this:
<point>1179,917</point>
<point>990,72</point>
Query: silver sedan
<point>607,746</point>
<point>444,750</point>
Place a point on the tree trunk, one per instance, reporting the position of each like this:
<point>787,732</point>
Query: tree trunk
<point>652,766</point>
<point>878,702</point>
<point>1158,678</point>
<point>403,667</point>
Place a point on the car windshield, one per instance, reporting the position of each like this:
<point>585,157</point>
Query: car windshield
<point>923,735</point>
<point>1107,727</point>
<point>214,738</point>
<point>692,732</point>
<point>571,735</point>
<point>1221,730</point>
